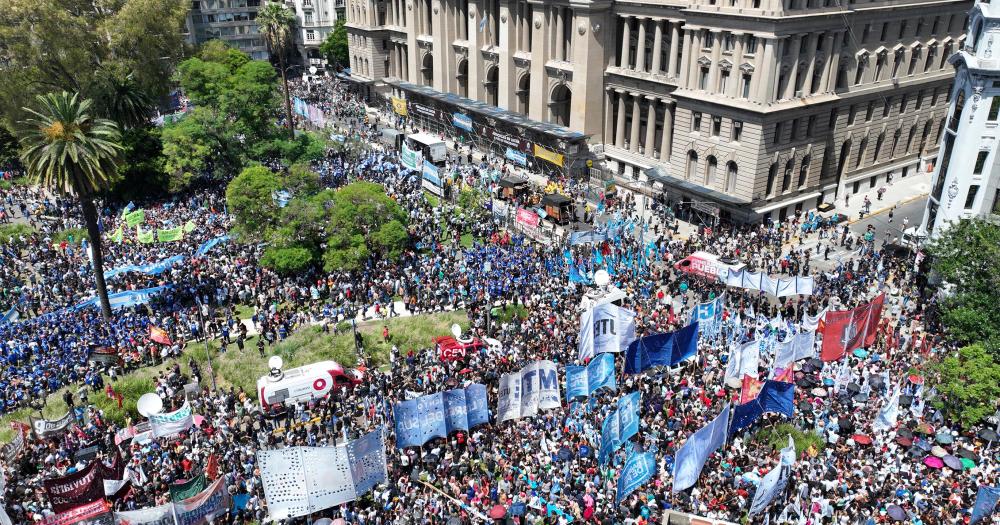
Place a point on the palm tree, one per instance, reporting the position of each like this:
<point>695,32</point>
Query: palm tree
<point>119,97</point>
<point>275,22</point>
<point>67,150</point>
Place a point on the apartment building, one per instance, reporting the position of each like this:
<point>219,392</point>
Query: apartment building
<point>233,21</point>
<point>739,110</point>
<point>315,22</point>
<point>966,181</point>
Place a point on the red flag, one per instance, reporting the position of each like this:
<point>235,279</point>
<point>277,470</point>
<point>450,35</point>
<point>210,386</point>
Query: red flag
<point>212,468</point>
<point>159,335</point>
<point>847,330</point>
<point>785,375</point>
<point>751,388</point>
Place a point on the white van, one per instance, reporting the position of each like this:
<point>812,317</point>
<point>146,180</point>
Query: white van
<point>433,148</point>
<point>305,383</point>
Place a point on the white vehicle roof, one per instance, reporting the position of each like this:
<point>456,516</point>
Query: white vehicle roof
<point>425,138</point>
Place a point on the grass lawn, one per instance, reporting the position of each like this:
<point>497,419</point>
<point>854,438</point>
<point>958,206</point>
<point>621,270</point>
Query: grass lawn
<point>233,368</point>
<point>434,200</point>
<point>466,240</point>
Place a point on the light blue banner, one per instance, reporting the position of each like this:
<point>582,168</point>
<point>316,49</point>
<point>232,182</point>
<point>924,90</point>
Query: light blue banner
<point>694,453</point>
<point>584,381</point>
<point>419,420</point>
<point>209,244</point>
<point>986,503</point>
<point>148,269</point>
<point>430,174</point>
<point>619,426</point>
<point>124,299</point>
<point>461,121</point>
<point>709,316</point>
<point>367,458</point>
<point>11,316</point>
<point>516,156</point>
<point>639,468</point>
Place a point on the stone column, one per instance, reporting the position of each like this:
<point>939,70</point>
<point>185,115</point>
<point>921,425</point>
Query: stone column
<point>609,115</point>
<point>560,31</point>
<point>650,126</point>
<point>640,47</point>
<point>692,57</point>
<point>810,63</point>
<point>626,37</point>
<point>763,82</point>
<point>833,65</point>
<point>683,65</point>
<point>736,74</point>
<point>668,130</point>
<point>633,143</point>
<point>714,69</point>
<point>540,53</point>
<point>657,46</point>
<point>620,124</point>
<point>673,57</point>
<point>796,47</point>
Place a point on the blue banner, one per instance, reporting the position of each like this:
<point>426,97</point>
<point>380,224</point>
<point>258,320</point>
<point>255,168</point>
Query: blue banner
<point>124,299</point>
<point>419,420</point>
<point>666,349</point>
<point>619,426</point>
<point>709,316</point>
<point>430,173</point>
<point>694,453</point>
<point>461,121</point>
<point>584,381</point>
<point>148,269</point>
<point>209,244</point>
<point>516,157</point>
<point>639,468</point>
<point>367,459</point>
<point>576,238</point>
<point>986,503</point>
<point>11,316</point>
<point>774,396</point>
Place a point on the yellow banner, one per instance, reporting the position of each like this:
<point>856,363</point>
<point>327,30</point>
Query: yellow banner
<point>549,155</point>
<point>399,106</point>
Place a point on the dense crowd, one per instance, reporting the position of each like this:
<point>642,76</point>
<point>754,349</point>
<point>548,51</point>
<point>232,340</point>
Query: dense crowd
<point>542,469</point>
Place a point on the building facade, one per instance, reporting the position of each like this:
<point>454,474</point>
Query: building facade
<point>740,109</point>
<point>232,21</point>
<point>966,181</point>
<point>315,22</point>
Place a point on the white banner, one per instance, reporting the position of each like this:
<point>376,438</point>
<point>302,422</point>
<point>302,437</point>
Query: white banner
<point>196,510</point>
<point>302,480</point>
<point>605,328</point>
<point>172,422</point>
<point>522,394</point>
<point>777,287</point>
<point>799,346</point>
<point>743,360</point>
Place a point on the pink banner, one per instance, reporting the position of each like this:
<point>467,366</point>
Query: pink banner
<point>527,217</point>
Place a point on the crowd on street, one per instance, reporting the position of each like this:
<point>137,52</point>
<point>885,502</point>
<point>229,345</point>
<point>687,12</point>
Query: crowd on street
<point>541,469</point>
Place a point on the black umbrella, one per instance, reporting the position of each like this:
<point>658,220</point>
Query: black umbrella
<point>431,458</point>
<point>860,398</point>
<point>922,444</point>
<point>968,454</point>
<point>808,368</point>
<point>904,432</point>
<point>815,362</point>
<point>904,401</point>
<point>853,388</point>
<point>454,520</point>
<point>876,381</point>
<point>988,434</point>
<point>805,405</point>
<point>565,454</point>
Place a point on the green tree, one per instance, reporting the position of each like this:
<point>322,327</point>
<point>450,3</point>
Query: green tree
<point>67,150</point>
<point>969,384</point>
<point>143,171</point>
<point>275,22</point>
<point>967,257</point>
<point>250,198</point>
<point>287,261</point>
<point>53,45</point>
<point>200,143</point>
<point>334,48</point>
<point>301,180</point>
<point>119,98</point>
<point>203,81</point>
<point>362,221</point>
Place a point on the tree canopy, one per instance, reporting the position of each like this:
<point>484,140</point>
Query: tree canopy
<point>334,48</point>
<point>969,384</point>
<point>339,229</point>
<point>967,257</point>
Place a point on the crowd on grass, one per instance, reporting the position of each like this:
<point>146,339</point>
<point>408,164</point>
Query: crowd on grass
<point>541,469</point>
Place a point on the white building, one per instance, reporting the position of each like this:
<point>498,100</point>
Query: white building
<point>966,181</point>
<point>315,20</point>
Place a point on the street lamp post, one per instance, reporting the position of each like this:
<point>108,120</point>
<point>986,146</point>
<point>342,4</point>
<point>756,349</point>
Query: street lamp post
<point>208,351</point>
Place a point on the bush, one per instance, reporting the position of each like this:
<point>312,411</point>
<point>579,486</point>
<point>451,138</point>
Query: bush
<point>70,235</point>
<point>12,233</point>
<point>510,311</point>
<point>287,260</point>
<point>777,437</point>
<point>969,384</point>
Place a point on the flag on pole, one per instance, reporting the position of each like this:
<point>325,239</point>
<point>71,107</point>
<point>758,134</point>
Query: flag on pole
<point>159,335</point>
<point>692,456</point>
<point>482,24</point>
<point>848,330</point>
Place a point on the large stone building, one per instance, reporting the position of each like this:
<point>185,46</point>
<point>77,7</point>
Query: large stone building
<point>743,109</point>
<point>966,181</point>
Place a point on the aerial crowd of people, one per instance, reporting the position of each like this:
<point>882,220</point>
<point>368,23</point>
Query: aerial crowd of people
<point>540,469</point>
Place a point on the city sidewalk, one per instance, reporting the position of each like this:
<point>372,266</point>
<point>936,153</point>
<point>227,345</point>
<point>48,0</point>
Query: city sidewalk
<point>902,190</point>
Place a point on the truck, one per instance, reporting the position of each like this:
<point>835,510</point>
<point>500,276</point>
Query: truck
<point>305,383</point>
<point>430,146</point>
<point>708,265</point>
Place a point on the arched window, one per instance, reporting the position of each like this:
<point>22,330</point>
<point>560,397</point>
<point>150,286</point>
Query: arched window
<point>710,171</point>
<point>692,167</point>
<point>786,178</point>
<point>731,172</point>
<point>772,172</point>
<point>804,171</point>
